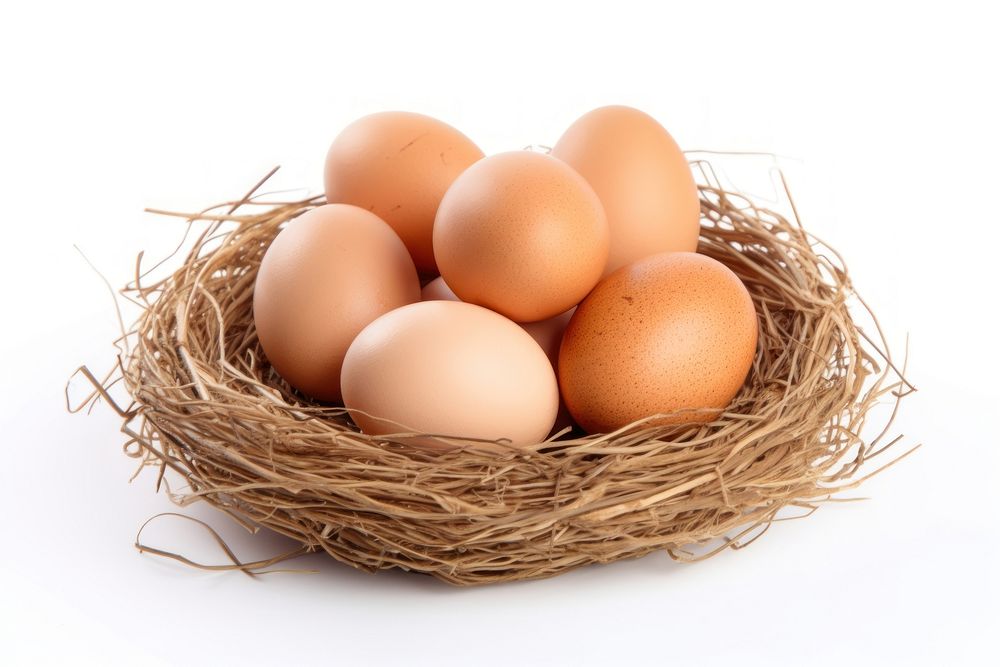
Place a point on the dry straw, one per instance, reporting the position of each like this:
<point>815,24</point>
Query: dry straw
<point>206,405</point>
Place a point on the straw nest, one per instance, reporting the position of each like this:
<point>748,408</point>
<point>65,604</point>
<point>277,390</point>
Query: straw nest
<point>206,405</point>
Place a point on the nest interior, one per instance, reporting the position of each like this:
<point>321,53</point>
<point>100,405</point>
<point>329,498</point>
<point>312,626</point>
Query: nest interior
<point>206,405</point>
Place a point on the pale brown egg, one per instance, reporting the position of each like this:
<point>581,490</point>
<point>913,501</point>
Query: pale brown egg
<point>398,165</point>
<point>326,275</point>
<point>671,332</point>
<point>522,234</point>
<point>641,177</point>
<point>547,333</point>
<point>449,368</point>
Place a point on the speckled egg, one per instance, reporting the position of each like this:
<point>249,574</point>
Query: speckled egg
<point>521,233</point>
<point>398,165</point>
<point>642,178</point>
<point>671,332</point>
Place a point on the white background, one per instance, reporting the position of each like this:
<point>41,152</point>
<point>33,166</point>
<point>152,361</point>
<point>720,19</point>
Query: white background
<point>886,118</point>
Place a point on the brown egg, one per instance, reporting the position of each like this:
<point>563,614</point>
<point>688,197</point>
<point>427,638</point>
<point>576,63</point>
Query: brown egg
<point>547,333</point>
<point>522,234</point>
<point>641,177</point>
<point>326,275</point>
<point>671,332</point>
<point>437,290</point>
<point>398,165</point>
<point>449,368</point>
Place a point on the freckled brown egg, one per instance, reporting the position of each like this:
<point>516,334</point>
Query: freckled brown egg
<point>521,233</point>
<point>674,331</point>
<point>641,177</point>
<point>326,275</point>
<point>449,368</point>
<point>398,165</point>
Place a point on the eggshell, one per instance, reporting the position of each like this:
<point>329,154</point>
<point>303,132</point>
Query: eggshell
<point>398,165</point>
<point>326,275</point>
<point>642,178</point>
<point>674,331</point>
<point>522,234</point>
<point>449,368</point>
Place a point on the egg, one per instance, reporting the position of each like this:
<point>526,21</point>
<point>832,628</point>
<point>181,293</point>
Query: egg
<point>670,332</point>
<point>437,290</point>
<point>398,165</point>
<point>521,233</point>
<point>641,177</point>
<point>326,275</point>
<point>449,368</point>
<point>547,333</point>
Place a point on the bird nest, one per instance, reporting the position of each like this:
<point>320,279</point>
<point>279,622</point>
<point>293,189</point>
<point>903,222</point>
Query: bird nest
<point>206,405</point>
